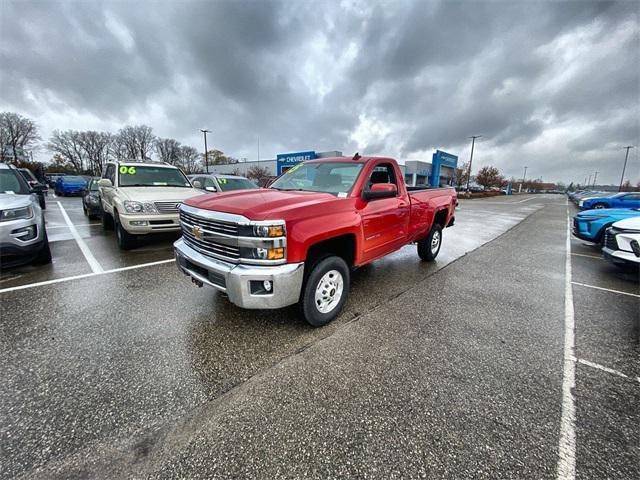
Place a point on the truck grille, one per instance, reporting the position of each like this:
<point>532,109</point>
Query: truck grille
<point>202,244</point>
<point>208,224</point>
<point>610,240</point>
<point>168,207</point>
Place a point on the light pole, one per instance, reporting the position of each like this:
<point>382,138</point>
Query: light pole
<point>523,177</point>
<point>473,142</point>
<point>206,151</point>
<point>626,157</point>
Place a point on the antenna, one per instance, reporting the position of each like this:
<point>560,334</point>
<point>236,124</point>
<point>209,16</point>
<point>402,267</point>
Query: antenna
<point>357,156</point>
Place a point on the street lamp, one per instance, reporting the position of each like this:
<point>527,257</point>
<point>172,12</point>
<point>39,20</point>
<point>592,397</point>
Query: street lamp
<point>206,151</point>
<point>473,142</point>
<point>626,157</point>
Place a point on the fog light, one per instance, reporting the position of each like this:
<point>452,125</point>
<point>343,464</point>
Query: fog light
<point>26,233</point>
<point>267,285</point>
<point>139,223</point>
<point>261,253</point>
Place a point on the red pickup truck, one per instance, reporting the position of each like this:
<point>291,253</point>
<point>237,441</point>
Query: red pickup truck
<point>298,240</point>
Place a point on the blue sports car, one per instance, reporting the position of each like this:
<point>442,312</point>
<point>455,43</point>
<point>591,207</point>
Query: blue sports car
<point>70,185</point>
<point>591,225</point>
<point>619,200</point>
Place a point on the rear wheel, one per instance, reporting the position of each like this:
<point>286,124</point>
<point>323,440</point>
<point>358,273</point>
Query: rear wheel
<point>600,205</point>
<point>325,291</point>
<point>429,247</point>
<point>126,241</point>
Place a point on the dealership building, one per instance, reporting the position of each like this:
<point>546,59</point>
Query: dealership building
<point>440,171</point>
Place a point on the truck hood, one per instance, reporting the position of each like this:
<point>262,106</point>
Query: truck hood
<point>261,204</point>
<point>155,194</point>
<point>12,200</point>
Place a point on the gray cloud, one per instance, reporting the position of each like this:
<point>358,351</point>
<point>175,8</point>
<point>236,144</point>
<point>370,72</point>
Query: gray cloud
<point>550,85</point>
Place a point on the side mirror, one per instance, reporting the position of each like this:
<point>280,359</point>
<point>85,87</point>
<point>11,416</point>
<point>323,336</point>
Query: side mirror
<point>211,189</point>
<point>105,183</point>
<point>380,190</point>
<point>196,184</point>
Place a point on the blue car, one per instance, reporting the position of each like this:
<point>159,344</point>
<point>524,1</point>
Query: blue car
<point>619,200</point>
<point>591,224</point>
<point>70,185</point>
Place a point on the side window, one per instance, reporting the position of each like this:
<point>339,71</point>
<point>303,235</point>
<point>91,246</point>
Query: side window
<point>110,173</point>
<point>208,182</point>
<point>383,173</point>
<point>632,196</point>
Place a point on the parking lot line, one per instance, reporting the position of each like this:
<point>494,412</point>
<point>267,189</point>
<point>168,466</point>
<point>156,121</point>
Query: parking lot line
<point>606,289</point>
<point>91,260</point>
<point>79,225</point>
<point>605,369</point>
<point>567,443</point>
<point>84,275</point>
<point>588,256</point>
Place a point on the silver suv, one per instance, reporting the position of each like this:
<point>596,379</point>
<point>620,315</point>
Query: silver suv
<point>23,237</point>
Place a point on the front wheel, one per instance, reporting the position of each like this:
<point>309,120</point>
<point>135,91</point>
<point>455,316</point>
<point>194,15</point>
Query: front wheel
<point>126,241</point>
<point>44,255</point>
<point>325,291</point>
<point>429,247</point>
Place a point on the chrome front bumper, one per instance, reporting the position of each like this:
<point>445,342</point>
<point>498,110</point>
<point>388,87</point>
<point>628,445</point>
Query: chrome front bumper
<point>235,279</point>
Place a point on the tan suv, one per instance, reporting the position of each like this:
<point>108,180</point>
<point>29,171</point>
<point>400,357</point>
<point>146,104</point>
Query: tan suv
<point>138,198</point>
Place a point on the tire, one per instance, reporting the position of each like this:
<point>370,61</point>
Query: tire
<point>600,205</point>
<point>126,241</point>
<point>44,255</point>
<point>318,305</point>
<point>429,247</point>
<point>106,219</point>
<point>43,203</point>
<point>85,211</point>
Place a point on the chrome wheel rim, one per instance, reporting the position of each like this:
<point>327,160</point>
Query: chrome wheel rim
<point>329,291</point>
<point>435,242</point>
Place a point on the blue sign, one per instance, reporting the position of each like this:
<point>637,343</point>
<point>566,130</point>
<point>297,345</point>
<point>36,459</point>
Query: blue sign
<point>285,161</point>
<point>441,159</point>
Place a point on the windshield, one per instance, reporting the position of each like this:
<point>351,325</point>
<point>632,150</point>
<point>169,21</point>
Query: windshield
<point>12,182</point>
<point>72,178</point>
<point>330,177</point>
<point>28,174</point>
<point>93,185</point>
<point>149,176</point>
<point>228,184</point>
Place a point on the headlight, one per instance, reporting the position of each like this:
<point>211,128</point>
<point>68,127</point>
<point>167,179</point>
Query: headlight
<point>16,214</point>
<point>263,253</point>
<point>93,199</point>
<point>581,203</point>
<point>268,230</point>
<point>138,207</point>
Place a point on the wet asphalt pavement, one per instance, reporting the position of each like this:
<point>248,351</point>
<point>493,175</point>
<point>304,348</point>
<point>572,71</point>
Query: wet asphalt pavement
<point>430,371</point>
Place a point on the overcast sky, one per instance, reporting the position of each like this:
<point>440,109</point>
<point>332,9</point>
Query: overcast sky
<point>554,86</point>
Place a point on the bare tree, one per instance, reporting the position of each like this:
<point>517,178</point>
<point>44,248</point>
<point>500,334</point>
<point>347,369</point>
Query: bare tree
<point>96,147</point>
<point>69,146</point>
<point>189,159</point>
<point>462,174</point>
<point>259,174</point>
<point>489,177</point>
<point>136,141</point>
<point>18,133</point>
<point>168,150</point>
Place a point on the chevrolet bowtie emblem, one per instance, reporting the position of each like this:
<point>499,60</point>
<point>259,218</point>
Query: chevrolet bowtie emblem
<point>196,232</point>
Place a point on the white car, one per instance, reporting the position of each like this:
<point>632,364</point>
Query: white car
<point>622,243</point>
<point>139,198</point>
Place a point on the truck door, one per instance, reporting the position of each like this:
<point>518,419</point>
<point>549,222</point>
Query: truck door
<point>107,193</point>
<point>385,221</point>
